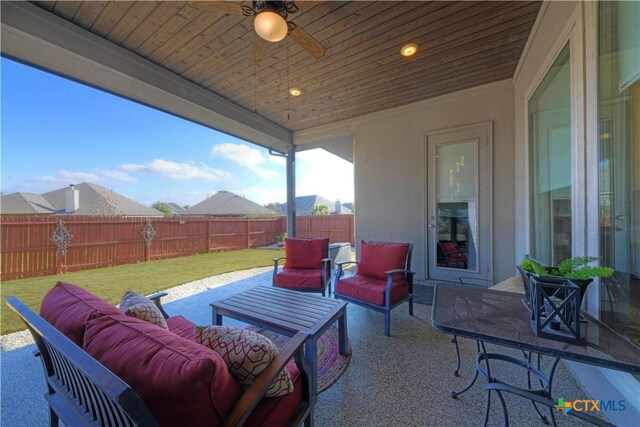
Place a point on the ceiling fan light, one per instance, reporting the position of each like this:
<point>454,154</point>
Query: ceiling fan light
<point>409,49</point>
<point>271,26</point>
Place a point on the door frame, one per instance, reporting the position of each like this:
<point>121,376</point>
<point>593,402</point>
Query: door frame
<point>487,128</point>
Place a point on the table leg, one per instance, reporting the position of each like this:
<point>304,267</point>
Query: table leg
<point>343,339</point>
<point>311,359</point>
<point>455,394</point>
<point>216,319</point>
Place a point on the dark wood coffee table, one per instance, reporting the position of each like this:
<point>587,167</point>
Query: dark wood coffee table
<point>287,313</point>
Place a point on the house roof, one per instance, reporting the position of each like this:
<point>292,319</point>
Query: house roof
<point>228,203</point>
<point>97,200</point>
<point>25,203</point>
<point>304,205</point>
<point>176,209</point>
<point>94,200</point>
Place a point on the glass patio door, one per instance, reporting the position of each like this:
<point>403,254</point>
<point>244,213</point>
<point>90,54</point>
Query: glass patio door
<point>457,214</point>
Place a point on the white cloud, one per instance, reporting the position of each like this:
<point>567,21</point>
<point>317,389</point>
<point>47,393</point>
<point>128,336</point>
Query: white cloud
<point>118,175</point>
<point>45,183</point>
<point>78,177</point>
<point>250,158</point>
<point>179,171</point>
<point>322,173</point>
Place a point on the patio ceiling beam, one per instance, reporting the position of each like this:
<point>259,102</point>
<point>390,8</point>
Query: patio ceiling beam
<point>34,36</point>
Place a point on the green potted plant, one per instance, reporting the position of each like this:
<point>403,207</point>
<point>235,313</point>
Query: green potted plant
<point>281,238</point>
<point>577,269</point>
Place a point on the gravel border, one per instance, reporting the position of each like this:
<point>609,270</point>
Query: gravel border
<point>23,338</point>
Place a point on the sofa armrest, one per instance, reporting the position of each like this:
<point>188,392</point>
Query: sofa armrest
<point>252,396</point>
<point>156,299</point>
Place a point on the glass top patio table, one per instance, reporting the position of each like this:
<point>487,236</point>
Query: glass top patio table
<point>501,318</point>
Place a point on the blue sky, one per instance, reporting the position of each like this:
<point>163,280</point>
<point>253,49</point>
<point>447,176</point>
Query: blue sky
<point>56,132</point>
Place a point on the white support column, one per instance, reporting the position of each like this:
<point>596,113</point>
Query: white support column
<point>291,191</point>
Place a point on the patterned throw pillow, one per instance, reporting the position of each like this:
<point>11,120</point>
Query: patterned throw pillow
<point>136,305</point>
<point>246,354</point>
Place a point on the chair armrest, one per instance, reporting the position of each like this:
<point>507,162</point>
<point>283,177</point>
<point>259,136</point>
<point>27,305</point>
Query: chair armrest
<point>340,264</point>
<point>400,270</point>
<point>277,260</point>
<point>156,299</point>
<point>256,391</point>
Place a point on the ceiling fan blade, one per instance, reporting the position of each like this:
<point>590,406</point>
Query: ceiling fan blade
<point>308,43</point>
<point>259,47</point>
<point>218,6</point>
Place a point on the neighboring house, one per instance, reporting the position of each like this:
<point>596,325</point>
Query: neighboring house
<point>176,209</point>
<point>81,199</point>
<point>25,203</point>
<point>304,204</point>
<point>226,203</point>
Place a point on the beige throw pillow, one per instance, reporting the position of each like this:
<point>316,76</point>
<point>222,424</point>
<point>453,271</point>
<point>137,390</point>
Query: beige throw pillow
<point>246,354</point>
<point>136,305</point>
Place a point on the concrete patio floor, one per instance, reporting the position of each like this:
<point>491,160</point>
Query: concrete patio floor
<point>405,379</point>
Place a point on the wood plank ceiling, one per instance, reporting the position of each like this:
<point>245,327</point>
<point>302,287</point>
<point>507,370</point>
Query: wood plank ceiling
<point>461,45</point>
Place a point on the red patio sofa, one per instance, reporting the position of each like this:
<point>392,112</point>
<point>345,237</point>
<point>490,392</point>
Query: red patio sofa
<point>177,381</point>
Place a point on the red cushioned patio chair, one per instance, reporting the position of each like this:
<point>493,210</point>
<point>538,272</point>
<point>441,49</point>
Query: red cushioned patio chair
<point>453,257</point>
<point>383,280</point>
<point>307,266</point>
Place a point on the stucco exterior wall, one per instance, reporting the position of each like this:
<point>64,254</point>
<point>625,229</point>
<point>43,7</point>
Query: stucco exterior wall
<point>390,169</point>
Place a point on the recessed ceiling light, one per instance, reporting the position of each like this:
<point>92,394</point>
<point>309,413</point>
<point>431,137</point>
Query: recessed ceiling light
<point>295,92</point>
<point>409,49</point>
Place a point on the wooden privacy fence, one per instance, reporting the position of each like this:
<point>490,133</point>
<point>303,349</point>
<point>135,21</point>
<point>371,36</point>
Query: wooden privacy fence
<point>46,245</point>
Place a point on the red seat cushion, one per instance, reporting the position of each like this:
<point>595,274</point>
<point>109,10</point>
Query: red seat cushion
<point>69,307</point>
<point>371,290</point>
<point>300,278</point>
<point>305,253</point>
<point>180,381</point>
<point>378,257</point>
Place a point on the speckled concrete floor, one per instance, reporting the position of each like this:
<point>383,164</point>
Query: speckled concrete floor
<point>402,380</point>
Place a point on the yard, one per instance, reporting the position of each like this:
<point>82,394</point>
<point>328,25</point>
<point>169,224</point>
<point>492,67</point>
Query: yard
<point>145,278</point>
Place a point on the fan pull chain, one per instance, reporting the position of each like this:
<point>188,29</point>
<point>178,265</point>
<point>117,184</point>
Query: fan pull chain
<point>288,85</point>
<point>255,77</point>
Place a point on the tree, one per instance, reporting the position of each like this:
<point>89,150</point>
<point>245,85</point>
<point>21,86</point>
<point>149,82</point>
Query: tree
<point>162,207</point>
<point>319,210</point>
<point>273,206</point>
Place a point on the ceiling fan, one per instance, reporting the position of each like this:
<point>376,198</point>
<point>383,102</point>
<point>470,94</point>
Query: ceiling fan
<point>270,23</point>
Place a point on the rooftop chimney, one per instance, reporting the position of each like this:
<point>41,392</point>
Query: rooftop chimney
<point>71,199</point>
<point>338,207</point>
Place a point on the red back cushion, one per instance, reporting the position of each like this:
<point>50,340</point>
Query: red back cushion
<point>378,257</point>
<point>180,381</point>
<point>449,247</point>
<point>69,307</point>
<point>305,253</point>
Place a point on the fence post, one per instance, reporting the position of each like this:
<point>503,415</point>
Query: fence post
<point>248,235</point>
<point>209,226</point>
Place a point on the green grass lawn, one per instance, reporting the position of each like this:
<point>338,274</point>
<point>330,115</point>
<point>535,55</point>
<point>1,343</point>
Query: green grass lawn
<point>145,278</point>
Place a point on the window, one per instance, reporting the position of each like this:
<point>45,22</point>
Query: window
<point>549,110</point>
<point>619,163</point>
